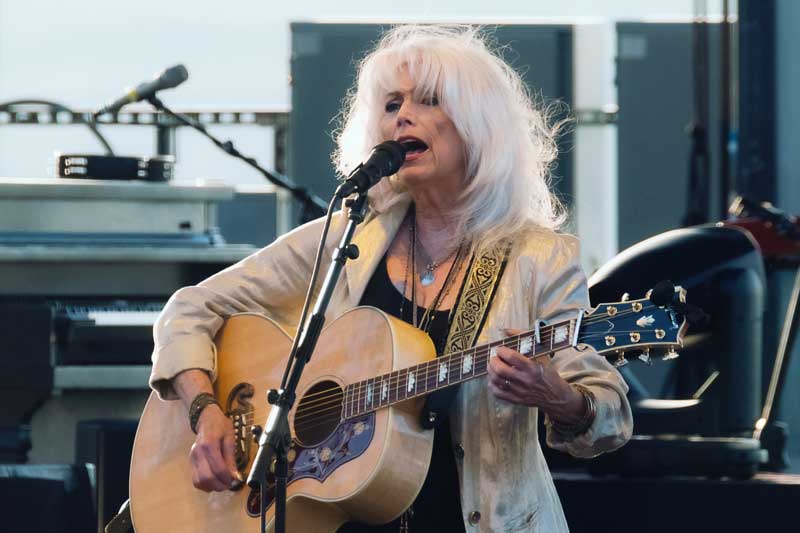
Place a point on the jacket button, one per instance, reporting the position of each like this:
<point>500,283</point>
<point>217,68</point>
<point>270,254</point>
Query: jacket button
<point>458,450</point>
<point>474,518</point>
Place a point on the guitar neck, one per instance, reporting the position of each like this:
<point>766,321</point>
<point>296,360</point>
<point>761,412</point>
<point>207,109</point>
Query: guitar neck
<point>452,369</point>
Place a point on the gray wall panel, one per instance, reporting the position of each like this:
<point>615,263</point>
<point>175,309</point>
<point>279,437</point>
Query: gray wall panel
<point>787,115</point>
<point>655,95</point>
<point>787,70</point>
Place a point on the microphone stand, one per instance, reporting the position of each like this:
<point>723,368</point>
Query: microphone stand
<point>275,440</point>
<point>313,206</point>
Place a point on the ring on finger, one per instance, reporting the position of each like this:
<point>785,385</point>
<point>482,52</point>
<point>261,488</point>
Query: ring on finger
<point>506,384</point>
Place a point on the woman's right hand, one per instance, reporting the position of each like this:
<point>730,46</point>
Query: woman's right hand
<point>213,455</point>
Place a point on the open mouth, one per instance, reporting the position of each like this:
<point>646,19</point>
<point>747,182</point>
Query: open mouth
<point>413,146</point>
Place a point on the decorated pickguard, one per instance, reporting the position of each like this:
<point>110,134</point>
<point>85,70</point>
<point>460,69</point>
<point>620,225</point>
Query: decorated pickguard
<point>350,439</point>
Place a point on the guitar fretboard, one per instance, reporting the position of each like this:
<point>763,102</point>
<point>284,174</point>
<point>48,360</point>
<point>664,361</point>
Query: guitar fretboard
<point>400,385</point>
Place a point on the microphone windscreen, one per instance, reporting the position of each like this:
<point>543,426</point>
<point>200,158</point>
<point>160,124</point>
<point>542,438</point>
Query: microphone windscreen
<point>173,76</point>
<point>396,153</point>
<point>662,293</point>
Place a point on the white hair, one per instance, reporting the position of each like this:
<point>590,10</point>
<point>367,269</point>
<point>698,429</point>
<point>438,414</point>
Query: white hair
<point>509,144</point>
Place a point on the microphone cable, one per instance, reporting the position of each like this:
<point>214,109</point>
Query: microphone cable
<point>57,107</point>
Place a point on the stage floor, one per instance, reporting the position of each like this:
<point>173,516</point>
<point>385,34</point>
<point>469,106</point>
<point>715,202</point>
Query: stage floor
<point>764,503</point>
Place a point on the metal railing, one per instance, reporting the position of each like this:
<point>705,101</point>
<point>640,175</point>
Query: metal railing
<point>47,113</point>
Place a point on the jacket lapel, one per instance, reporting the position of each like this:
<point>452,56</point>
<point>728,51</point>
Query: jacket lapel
<point>372,238</point>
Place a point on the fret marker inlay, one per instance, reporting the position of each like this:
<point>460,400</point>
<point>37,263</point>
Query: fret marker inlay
<point>492,352</point>
<point>560,334</point>
<point>526,345</point>
<point>412,381</point>
<point>384,390</point>
<point>466,367</point>
<point>369,394</point>
<point>442,372</point>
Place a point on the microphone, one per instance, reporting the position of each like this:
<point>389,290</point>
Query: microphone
<point>384,160</point>
<point>166,79</point>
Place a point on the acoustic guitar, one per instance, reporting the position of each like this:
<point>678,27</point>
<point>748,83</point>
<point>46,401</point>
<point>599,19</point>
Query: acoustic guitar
<point>358,450</point>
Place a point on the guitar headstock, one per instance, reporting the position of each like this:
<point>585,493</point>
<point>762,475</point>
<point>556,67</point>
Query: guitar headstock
<point>634,326</point>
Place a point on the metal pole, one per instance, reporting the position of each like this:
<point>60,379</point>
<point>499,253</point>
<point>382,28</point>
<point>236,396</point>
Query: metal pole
<point>165,139</point>
<point>725,113</point>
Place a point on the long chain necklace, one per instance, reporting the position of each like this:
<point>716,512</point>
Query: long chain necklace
<point>430,312</point>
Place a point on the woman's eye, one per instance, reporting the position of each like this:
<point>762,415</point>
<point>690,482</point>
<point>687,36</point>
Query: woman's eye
<point>391,107</point>
<point>432,101</point>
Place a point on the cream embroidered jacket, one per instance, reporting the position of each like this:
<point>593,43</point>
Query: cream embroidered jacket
<point>504,479</point>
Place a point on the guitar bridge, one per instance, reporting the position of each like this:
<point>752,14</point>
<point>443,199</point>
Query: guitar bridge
<point>239,409</point>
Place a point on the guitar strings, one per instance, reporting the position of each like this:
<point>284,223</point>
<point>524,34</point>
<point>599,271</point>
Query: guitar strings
<point>315,410</point>
<point>332,415</point>
<point>312,412</point>
<point>402,375</point>
<point>515,339</point>
<point>328,407</point>
<point>396,379</point>
<point>478,351</point>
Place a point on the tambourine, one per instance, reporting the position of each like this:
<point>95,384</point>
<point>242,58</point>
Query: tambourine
<point>112,167</point>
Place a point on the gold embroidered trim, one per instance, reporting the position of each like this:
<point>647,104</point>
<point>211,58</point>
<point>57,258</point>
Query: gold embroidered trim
<point>475,299</point>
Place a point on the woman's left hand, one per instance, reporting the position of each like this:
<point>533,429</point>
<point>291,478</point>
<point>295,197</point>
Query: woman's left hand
<point>533,382</point>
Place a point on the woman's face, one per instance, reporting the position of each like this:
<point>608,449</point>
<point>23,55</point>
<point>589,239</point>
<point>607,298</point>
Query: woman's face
<point>437,158</point>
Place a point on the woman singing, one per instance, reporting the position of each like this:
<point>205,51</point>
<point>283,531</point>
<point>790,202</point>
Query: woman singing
<point>475,179</point>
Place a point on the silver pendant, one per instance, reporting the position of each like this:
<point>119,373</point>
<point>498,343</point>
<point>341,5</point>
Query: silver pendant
<point>426,278</point>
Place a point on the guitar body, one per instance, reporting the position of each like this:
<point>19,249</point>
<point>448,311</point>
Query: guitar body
<point>369,468</point>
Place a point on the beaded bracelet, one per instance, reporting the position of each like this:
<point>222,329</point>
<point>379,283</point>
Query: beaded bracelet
<point>200,402</point>
<point>581,426</point>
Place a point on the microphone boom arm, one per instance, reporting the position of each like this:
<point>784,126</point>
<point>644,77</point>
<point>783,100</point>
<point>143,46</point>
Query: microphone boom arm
<point>313,206</point>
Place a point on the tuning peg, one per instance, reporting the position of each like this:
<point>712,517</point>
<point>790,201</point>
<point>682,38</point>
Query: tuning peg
<point>671,354</point>
<point>620,361</point>
<point>625,297</point>
<point>645,357</point>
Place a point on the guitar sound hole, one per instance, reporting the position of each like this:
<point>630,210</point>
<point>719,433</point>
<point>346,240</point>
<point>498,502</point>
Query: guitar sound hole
<point>318,413</point>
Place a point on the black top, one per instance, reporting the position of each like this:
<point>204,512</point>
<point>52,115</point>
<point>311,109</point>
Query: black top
<point>438,506</point>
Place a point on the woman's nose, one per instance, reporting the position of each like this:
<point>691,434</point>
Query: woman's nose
<point>405,115</point>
